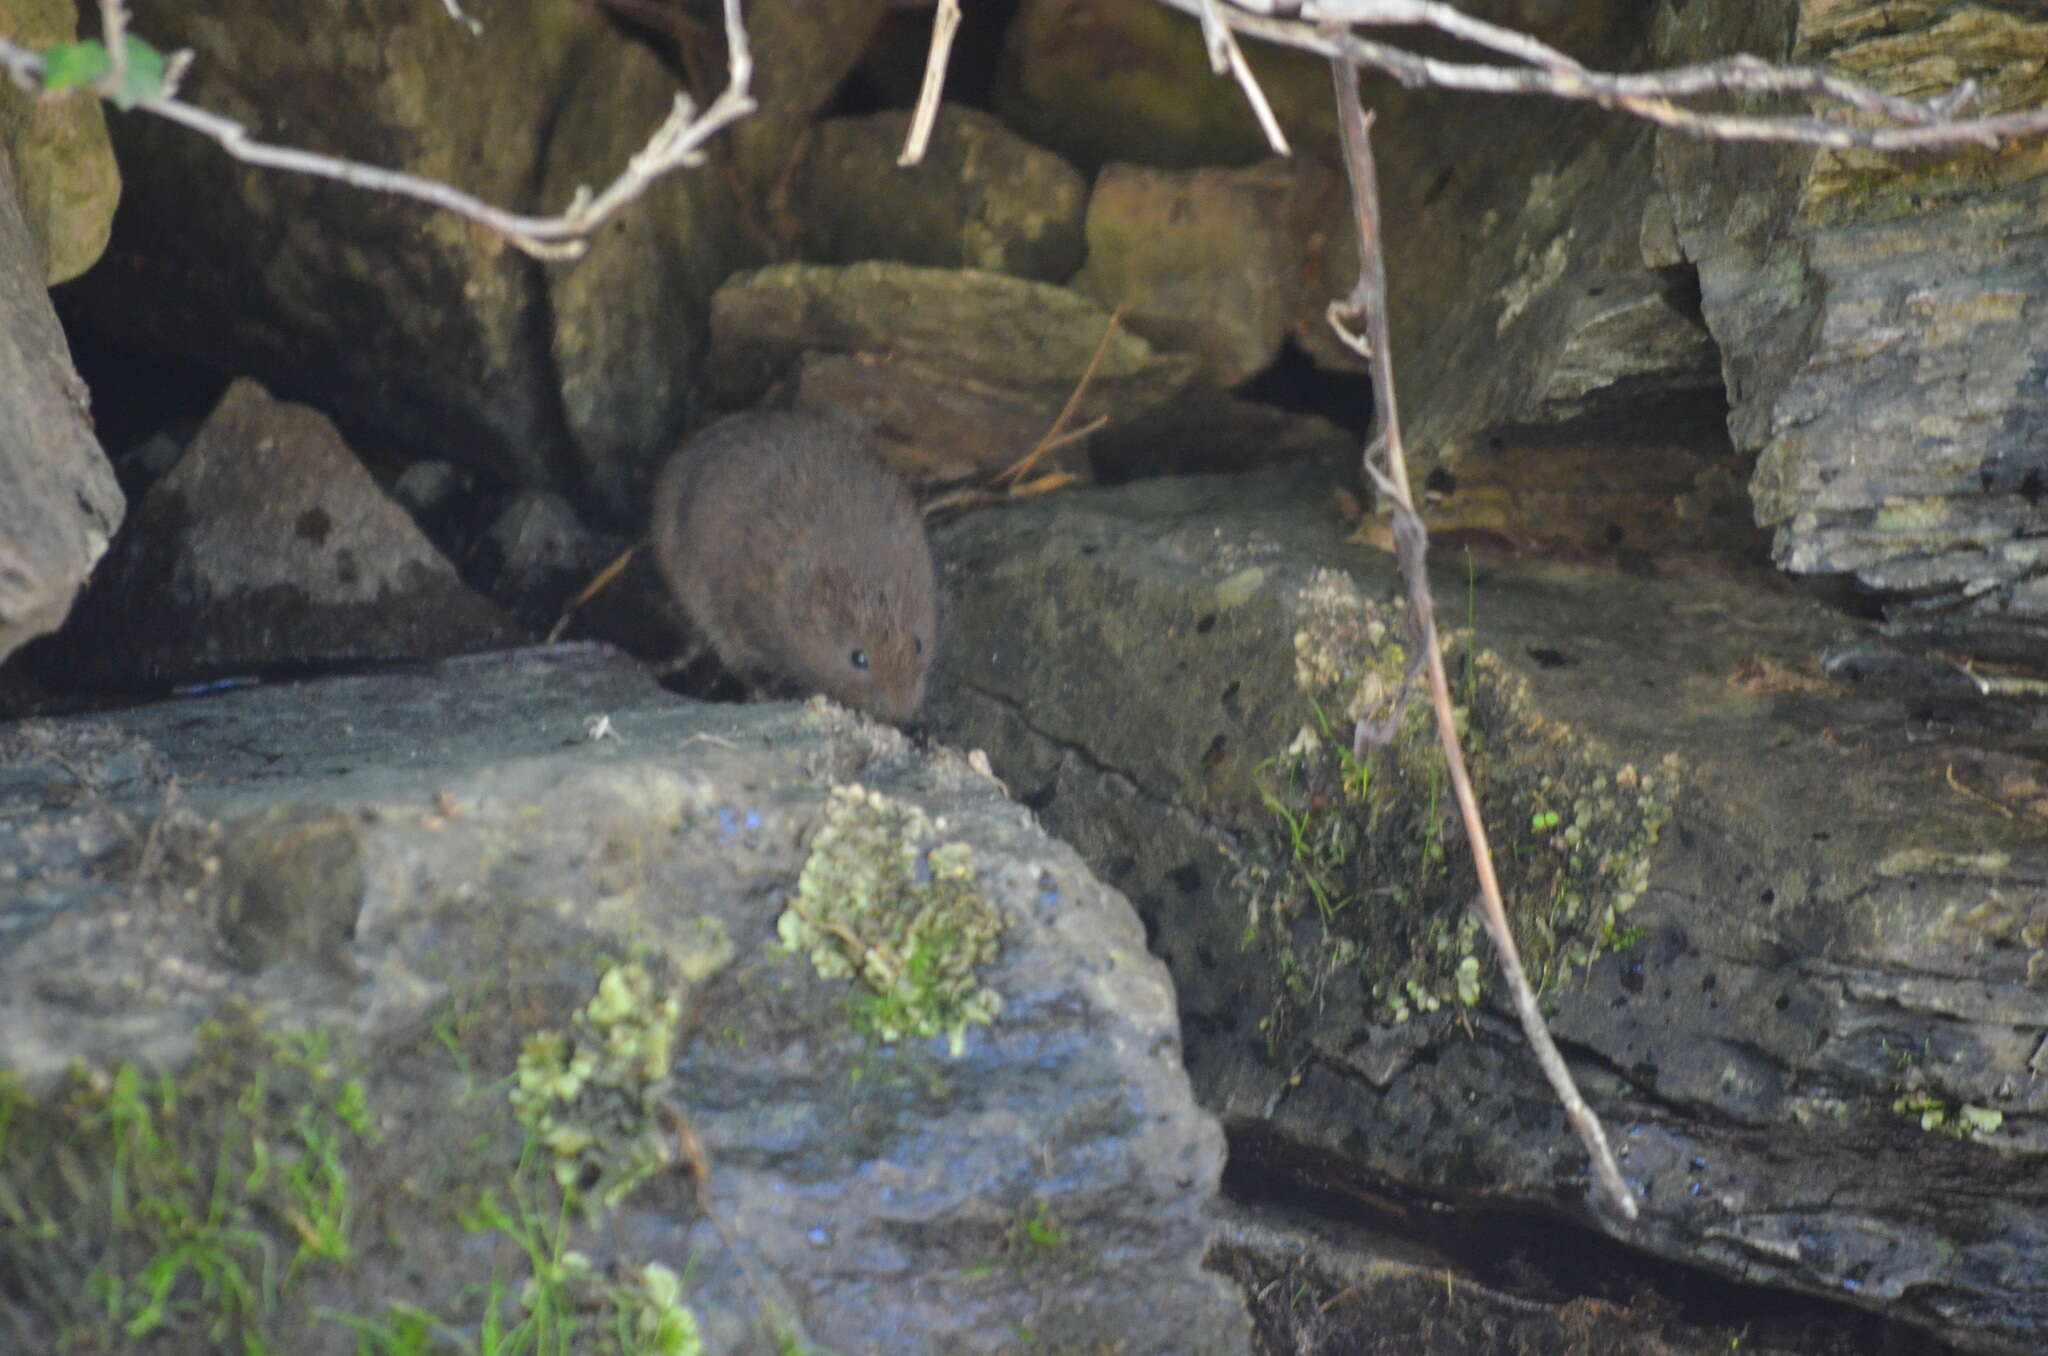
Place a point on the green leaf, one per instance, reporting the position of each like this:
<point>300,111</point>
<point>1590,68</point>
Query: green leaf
<point>70,65</point>
<point>78,65</point>
<point>145,77</point>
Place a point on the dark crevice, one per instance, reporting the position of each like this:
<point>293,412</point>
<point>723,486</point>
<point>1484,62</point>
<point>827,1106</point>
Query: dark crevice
<point>1527,1257</point>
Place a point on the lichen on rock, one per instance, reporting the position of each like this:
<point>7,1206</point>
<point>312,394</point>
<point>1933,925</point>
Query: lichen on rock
<point>874,901</point>
<point>588,1096</point>
<point>1375,844</point>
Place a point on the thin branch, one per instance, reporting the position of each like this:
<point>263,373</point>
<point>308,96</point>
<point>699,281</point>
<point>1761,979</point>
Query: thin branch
<point>1659,97</point>
<point>1429,14</point>
<point>676,143</point>
<point>1225,57</point>
<point>1056,435</point>
<point>945,23</point>
<point>114,36</point>
<point>1367,303</point>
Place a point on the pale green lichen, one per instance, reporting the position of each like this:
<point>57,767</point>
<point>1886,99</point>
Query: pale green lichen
<point>875,902</point>
<point>588,1096</point>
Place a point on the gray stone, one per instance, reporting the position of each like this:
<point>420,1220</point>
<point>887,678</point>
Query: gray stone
<point>1129,80</point>
<point>59,504</point>
<point>1881,318</point>
<point>422,873</point>
<point>1796,970</point>
<point>267,544</point>
<point>803,51</point>
<point>932,426</point>
<point>630,319</point>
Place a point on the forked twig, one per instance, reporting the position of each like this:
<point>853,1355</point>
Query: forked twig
<point>1057,435</point>
<point>1367,303</point>
<point>1889,123</point>
<point>677,143</point>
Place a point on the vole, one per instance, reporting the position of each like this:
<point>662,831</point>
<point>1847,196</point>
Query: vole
<point>801,557</point>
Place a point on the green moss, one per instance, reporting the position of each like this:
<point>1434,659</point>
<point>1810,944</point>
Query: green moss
<point>1364,870</point>
<point>875,902</point>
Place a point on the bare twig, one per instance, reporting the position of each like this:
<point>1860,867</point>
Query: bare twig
<point>1659,97</point>
<point>676,143</point>
<point>945,23</point>
<point>1367,303</point>
<point>1056,436</point>
<point>1225,57</point>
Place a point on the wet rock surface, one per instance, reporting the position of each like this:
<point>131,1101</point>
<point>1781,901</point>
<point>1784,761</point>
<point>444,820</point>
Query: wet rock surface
<point>1793,930</point>
<point>426,871</point>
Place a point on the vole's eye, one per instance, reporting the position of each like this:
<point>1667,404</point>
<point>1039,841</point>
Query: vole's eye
<point>917,644</point>
<point>859,659</point>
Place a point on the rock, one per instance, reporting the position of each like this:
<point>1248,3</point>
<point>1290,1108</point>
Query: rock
<point>538,555</point>
<point>1213,262</point>
<point>59,504</point>
<point>1881,319</point>
<point>63,167</point>
<point>419,324</point>
<point>428,489</point>
<point>1003,332</point>
<point>1533,274</point>
<point>982,198</point>
<point>1105,80</point>
<point>1659,486</point>
<point>933,427</point>
<point>1797,967</point>
<point>803,51</point>
<point>267,545</point>
<point>383,901</point>
<point>1211,430</point>
<point>631,318</point>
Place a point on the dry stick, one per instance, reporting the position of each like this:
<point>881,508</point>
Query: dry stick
<point>1368,302</point>
<point>945,23</point>
<point>1056,435</point>
<point>1225,58</point>
<point>1656,97</point>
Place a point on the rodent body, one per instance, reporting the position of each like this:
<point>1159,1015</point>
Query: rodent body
<point>801,557</point>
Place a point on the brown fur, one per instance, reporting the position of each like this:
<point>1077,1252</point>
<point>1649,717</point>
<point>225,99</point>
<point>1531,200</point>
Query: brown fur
<point>793,548</point>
